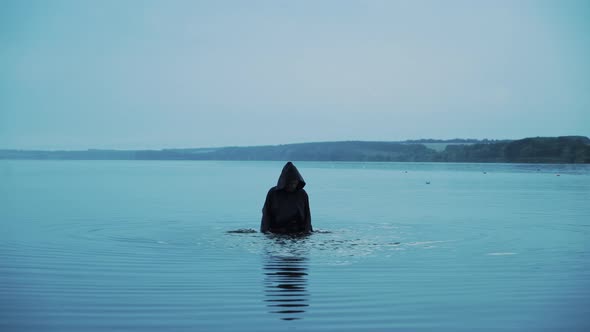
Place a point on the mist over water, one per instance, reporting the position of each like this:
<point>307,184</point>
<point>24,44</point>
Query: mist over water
<point>144,245</point>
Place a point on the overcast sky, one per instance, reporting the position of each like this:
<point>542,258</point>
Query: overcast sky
<point>130,74</point>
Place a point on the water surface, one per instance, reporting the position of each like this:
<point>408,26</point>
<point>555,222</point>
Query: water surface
<point>144,245</point>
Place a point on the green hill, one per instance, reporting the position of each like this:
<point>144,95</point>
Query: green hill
<point>564,149</point>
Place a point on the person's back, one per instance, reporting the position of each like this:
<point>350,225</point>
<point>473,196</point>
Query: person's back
<point>286,208</point>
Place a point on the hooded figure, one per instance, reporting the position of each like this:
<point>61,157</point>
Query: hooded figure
<point>286,209</point>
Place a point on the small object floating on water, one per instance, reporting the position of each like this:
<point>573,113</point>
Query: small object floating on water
<point>485,172</point>
<point>556,174</point>
<point>427,182</point>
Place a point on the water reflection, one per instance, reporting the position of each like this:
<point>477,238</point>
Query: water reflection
<point>285,276</point>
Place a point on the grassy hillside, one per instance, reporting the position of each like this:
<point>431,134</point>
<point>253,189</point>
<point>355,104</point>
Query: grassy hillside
<point>565,149</point>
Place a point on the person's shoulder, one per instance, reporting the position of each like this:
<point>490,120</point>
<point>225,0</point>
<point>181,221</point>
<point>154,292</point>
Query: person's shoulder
<point>271,194</point>
<point>303,192</point>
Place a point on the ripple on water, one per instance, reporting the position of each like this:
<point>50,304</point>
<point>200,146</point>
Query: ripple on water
<point>286,286</point>
<point>156,271</point>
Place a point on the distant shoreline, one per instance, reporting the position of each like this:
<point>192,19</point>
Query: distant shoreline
<point>549,150</point>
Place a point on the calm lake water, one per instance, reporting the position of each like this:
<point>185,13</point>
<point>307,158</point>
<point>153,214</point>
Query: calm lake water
<point>144,246</point>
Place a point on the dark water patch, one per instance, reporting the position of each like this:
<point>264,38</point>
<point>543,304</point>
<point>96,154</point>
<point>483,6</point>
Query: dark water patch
<point>243,231</point>
<point>286,286</point>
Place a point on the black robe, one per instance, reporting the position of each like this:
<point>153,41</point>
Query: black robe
<point>286,212</point>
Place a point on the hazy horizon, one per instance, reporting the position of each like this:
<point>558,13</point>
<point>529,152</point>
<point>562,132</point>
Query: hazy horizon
<point>184,74</point>
<point>277,144</point>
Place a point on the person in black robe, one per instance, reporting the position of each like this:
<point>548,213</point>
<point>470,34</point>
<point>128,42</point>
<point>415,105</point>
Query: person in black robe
<point>286,209</point>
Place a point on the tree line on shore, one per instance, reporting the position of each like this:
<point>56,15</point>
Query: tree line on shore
<point>563,149</point>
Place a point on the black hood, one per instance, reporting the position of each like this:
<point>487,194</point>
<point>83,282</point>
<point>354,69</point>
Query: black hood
<point>288,174</point>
